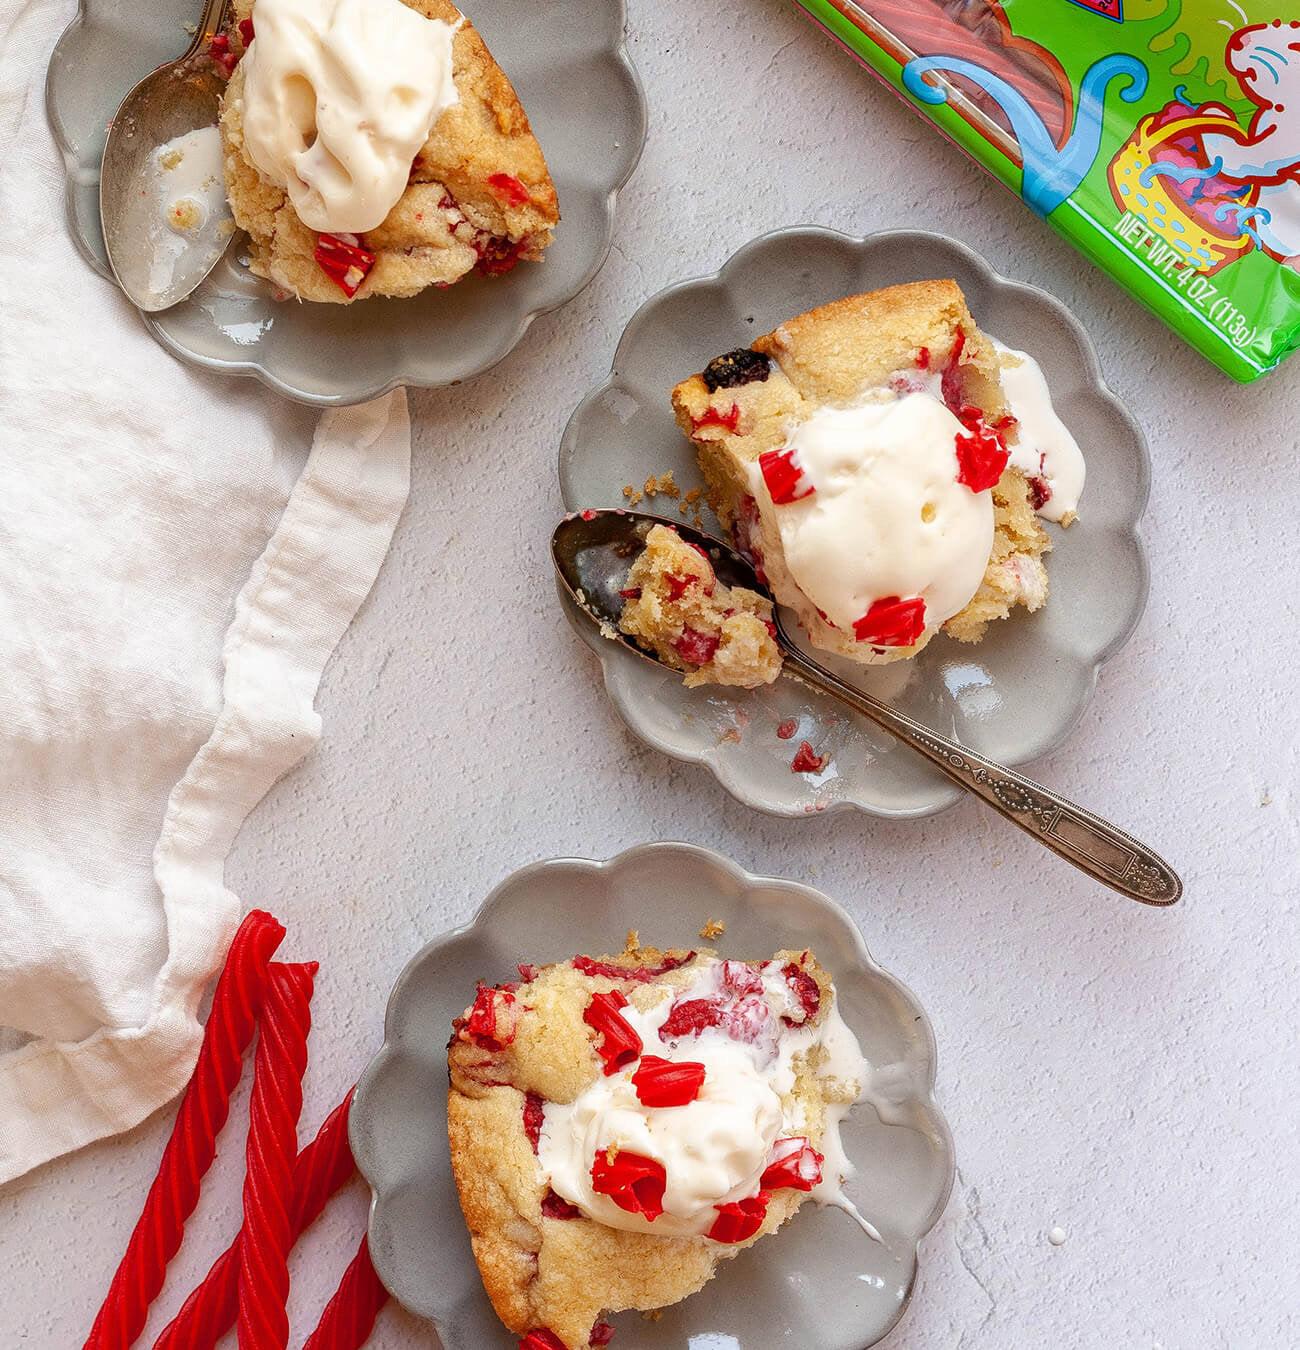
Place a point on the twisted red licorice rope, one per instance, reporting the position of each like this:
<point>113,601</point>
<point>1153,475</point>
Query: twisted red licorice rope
<point>267,1234</point>
<point>192,1145</point>
<point>322,1168</point>
<point>350,1315</point>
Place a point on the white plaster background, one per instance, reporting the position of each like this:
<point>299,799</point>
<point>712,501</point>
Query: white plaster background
<point>1127,1074</point>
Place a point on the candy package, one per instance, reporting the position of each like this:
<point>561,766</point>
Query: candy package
<point>1161,137</point>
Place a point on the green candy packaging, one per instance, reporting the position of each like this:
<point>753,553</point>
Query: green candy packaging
<point>1161,137</point>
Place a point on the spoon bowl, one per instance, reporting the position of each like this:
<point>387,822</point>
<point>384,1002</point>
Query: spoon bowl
<point>158,263</point>
<point>592,552</point>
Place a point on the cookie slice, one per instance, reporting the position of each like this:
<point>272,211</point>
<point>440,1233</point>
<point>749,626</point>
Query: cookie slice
<point>899,374</point>
<point>675,606</point>
<point>620,1125</point>
<point>479,196</point>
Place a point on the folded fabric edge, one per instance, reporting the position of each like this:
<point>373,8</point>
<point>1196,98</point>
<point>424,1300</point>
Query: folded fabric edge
<point>298,601</point>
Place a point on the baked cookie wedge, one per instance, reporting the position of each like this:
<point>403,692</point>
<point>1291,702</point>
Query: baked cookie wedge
<point>375,147</point>
<point>621,1125</point>
<point>866,457</point>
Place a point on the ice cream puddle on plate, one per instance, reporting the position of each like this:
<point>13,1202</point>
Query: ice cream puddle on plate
<point>339,97</point>
<point>186,219</point>
<point>885,515</point>
<point>716,1148</point>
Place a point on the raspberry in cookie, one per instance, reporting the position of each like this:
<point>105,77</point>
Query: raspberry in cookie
<point>374,147</point>
<point>866,457</point>
<point>620,1125</point>
<point>675,606</point>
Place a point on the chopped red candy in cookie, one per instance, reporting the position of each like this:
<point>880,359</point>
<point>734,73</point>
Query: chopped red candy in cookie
<point>740,1219</point>
<point>344,261</point>
<point>619,1043</point>
<point>794,1163</point>
<point>662,1082</point>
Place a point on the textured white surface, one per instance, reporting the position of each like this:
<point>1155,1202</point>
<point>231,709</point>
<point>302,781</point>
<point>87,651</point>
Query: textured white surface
<point>1127,1075</point>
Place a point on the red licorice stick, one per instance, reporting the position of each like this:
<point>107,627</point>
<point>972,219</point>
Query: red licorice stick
<point>267,1234</point>
<point>193,1143</point>
<point>323,1167</point>
<point>350,1314</point>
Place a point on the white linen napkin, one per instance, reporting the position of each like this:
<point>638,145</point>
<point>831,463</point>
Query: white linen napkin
<point>172,581</point>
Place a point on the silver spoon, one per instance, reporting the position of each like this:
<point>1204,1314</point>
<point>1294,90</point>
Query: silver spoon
<point>156,266</point>
<point>592,552</point>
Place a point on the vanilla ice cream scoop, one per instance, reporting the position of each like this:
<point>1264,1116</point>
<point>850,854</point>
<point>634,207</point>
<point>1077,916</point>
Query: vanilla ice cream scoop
<point>885,515</point>
<point>339,96</point>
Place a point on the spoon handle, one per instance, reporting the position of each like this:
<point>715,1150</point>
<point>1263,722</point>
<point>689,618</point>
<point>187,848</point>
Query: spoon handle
<point>1093,845</point>
<point>212,20</point>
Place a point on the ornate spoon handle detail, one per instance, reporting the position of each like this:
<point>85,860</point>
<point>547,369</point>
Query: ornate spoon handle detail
<point>1093,845</point>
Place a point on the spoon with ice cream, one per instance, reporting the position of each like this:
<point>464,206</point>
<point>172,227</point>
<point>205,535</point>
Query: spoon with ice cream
<point>162,196</point>
<point>593,552</point>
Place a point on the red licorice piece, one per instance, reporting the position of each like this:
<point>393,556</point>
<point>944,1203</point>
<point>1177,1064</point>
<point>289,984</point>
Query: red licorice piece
<point>542,1339</point>
<point>557,1207</point>
<point>276,1103</point>
<point>711,417</point>
<point>951,384</point>
<point>534,1116</point>
<point>498,255</point>
<point>485,1024</point>
<point>740,1219</point>
<point>892,622</point>
<point>619,1044</point>
<point>632,593</point>
<point>193,1142</point>
<point>1040,492</point>
<point>322,1168</point>
<point>678,586</point>
<point>982,454</point>
<point>344,261</point>
<point>696,647</point>
<point>806,993</point>
<point>784,476</point>
<point>689,1016</point>
<point>923,358</point>
<point>639,974</point>
<point>246,31</point>
<point>601,1334</point>
<point>350,1314</point>
<point>664,1082</point>
<point>528,973</point>
<point>787,729</point>
<point>632,1181</point>
<point>795,1163</point>
<point>807,760</point>
<point>220,54</point>
<point>509,189</point>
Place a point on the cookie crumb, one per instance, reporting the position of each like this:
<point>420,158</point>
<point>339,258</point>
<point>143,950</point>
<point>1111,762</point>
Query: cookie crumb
<point>652,1314</point>
<point>633,944</point>
<point>632,494</point>
<point>713,928</point>
<point>662,485</point>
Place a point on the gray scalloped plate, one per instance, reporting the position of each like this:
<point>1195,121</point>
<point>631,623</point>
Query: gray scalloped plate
<point>819,1282</point>
<point>569,64</point>
<point>1014,696</point>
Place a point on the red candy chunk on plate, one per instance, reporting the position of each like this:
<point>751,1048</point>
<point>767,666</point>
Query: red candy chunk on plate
<point>795,1163</point>
<point>740,1219</point>
<point>663,1082</point>
<point>784,476</point>
<point>892,622</point>
<point>632,1181</point>
<point>619,1044</point>
<point>344,261</point>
